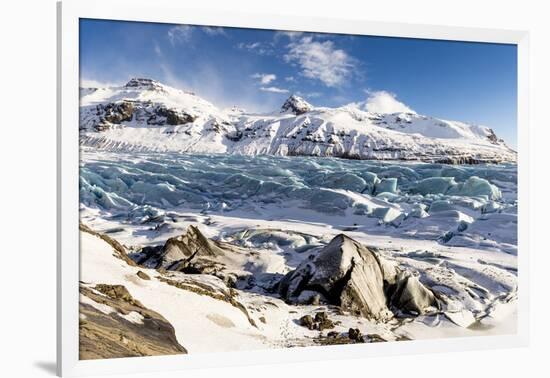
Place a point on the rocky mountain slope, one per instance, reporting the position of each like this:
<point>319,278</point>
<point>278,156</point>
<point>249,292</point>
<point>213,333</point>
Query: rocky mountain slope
<point>145,115</point>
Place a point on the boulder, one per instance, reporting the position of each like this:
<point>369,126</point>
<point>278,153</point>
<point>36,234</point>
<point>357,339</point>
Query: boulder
<point>320,322</point>
<point>181,250</point>
<point>143,276</point>
<point>323,321</point>
<point>192,253</point>
<point>411,296</point>
<point>307,321</point>
<point>355,334</point>
<point>117,292</point>
<point>347,274</point>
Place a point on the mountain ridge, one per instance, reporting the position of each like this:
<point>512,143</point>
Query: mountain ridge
<point>146,115</point>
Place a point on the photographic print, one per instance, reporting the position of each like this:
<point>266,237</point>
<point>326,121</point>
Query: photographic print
<point>247,189</point>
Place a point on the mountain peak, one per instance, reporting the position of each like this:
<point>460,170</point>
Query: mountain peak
<point>296,105</point>
<point>143,83</point>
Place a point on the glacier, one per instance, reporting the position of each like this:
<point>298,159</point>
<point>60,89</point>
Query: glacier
<point>374,195</point>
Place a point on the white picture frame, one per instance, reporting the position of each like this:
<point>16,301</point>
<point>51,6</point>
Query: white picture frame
<point>165,11</point>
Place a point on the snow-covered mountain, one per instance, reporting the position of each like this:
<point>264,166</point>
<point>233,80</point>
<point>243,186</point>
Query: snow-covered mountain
<point>145,115</point>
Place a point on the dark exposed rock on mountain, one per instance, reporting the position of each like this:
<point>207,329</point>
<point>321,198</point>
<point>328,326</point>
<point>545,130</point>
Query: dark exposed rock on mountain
<point>493,138</point>
<point>117,113</point>
<point>128,330</point>
<point>112,114</point>
<point>143,83</point>
<point>123,109</point>
<point>348,274</point>
<point>165,116</point>
<point>296,105</point>
<point>108,115</point>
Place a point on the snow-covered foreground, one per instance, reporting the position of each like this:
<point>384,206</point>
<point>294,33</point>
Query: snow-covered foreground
<point>455,227</point>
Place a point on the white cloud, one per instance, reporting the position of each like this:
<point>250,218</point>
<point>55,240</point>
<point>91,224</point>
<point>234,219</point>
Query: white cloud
<point>288,34</point>
<point>158,50</point>
<point>321,61</point>
<point>184,33</point>
<point>91,83</point>
<point>209,82</point>
<point>274,89</point>
<point>249,46</point>
<point>264,78</point>
<point>259,48</point>
<point>385,102</point>
<point>180,34</point>
<point>214,30</point>
<point>309,94</point>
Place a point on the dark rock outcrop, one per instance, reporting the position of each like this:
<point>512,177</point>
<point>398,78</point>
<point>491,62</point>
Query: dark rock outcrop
<point>355,334</point>
<point>113,114</point>
<point>106,116</point>
<point>115,334</point>
<point>166,116</point>
<point>191,252</point>
<point>410,295</point>
<point>345,273</point>
<point>320,322</point>
<point>307,321</point>
<point>493,137</point>
<point>118,112</point>
<point>143,83</point>
<point>118,292</point>
<point>143,275</point>
<point>296,105</point>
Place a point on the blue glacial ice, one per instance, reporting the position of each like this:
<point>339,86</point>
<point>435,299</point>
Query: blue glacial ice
<point>418,199</point>
<point>434,185</point>
<point>387,185</point>
<point>475,187</point>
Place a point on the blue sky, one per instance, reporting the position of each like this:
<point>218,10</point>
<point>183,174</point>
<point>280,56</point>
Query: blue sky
<point>258,69</point>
